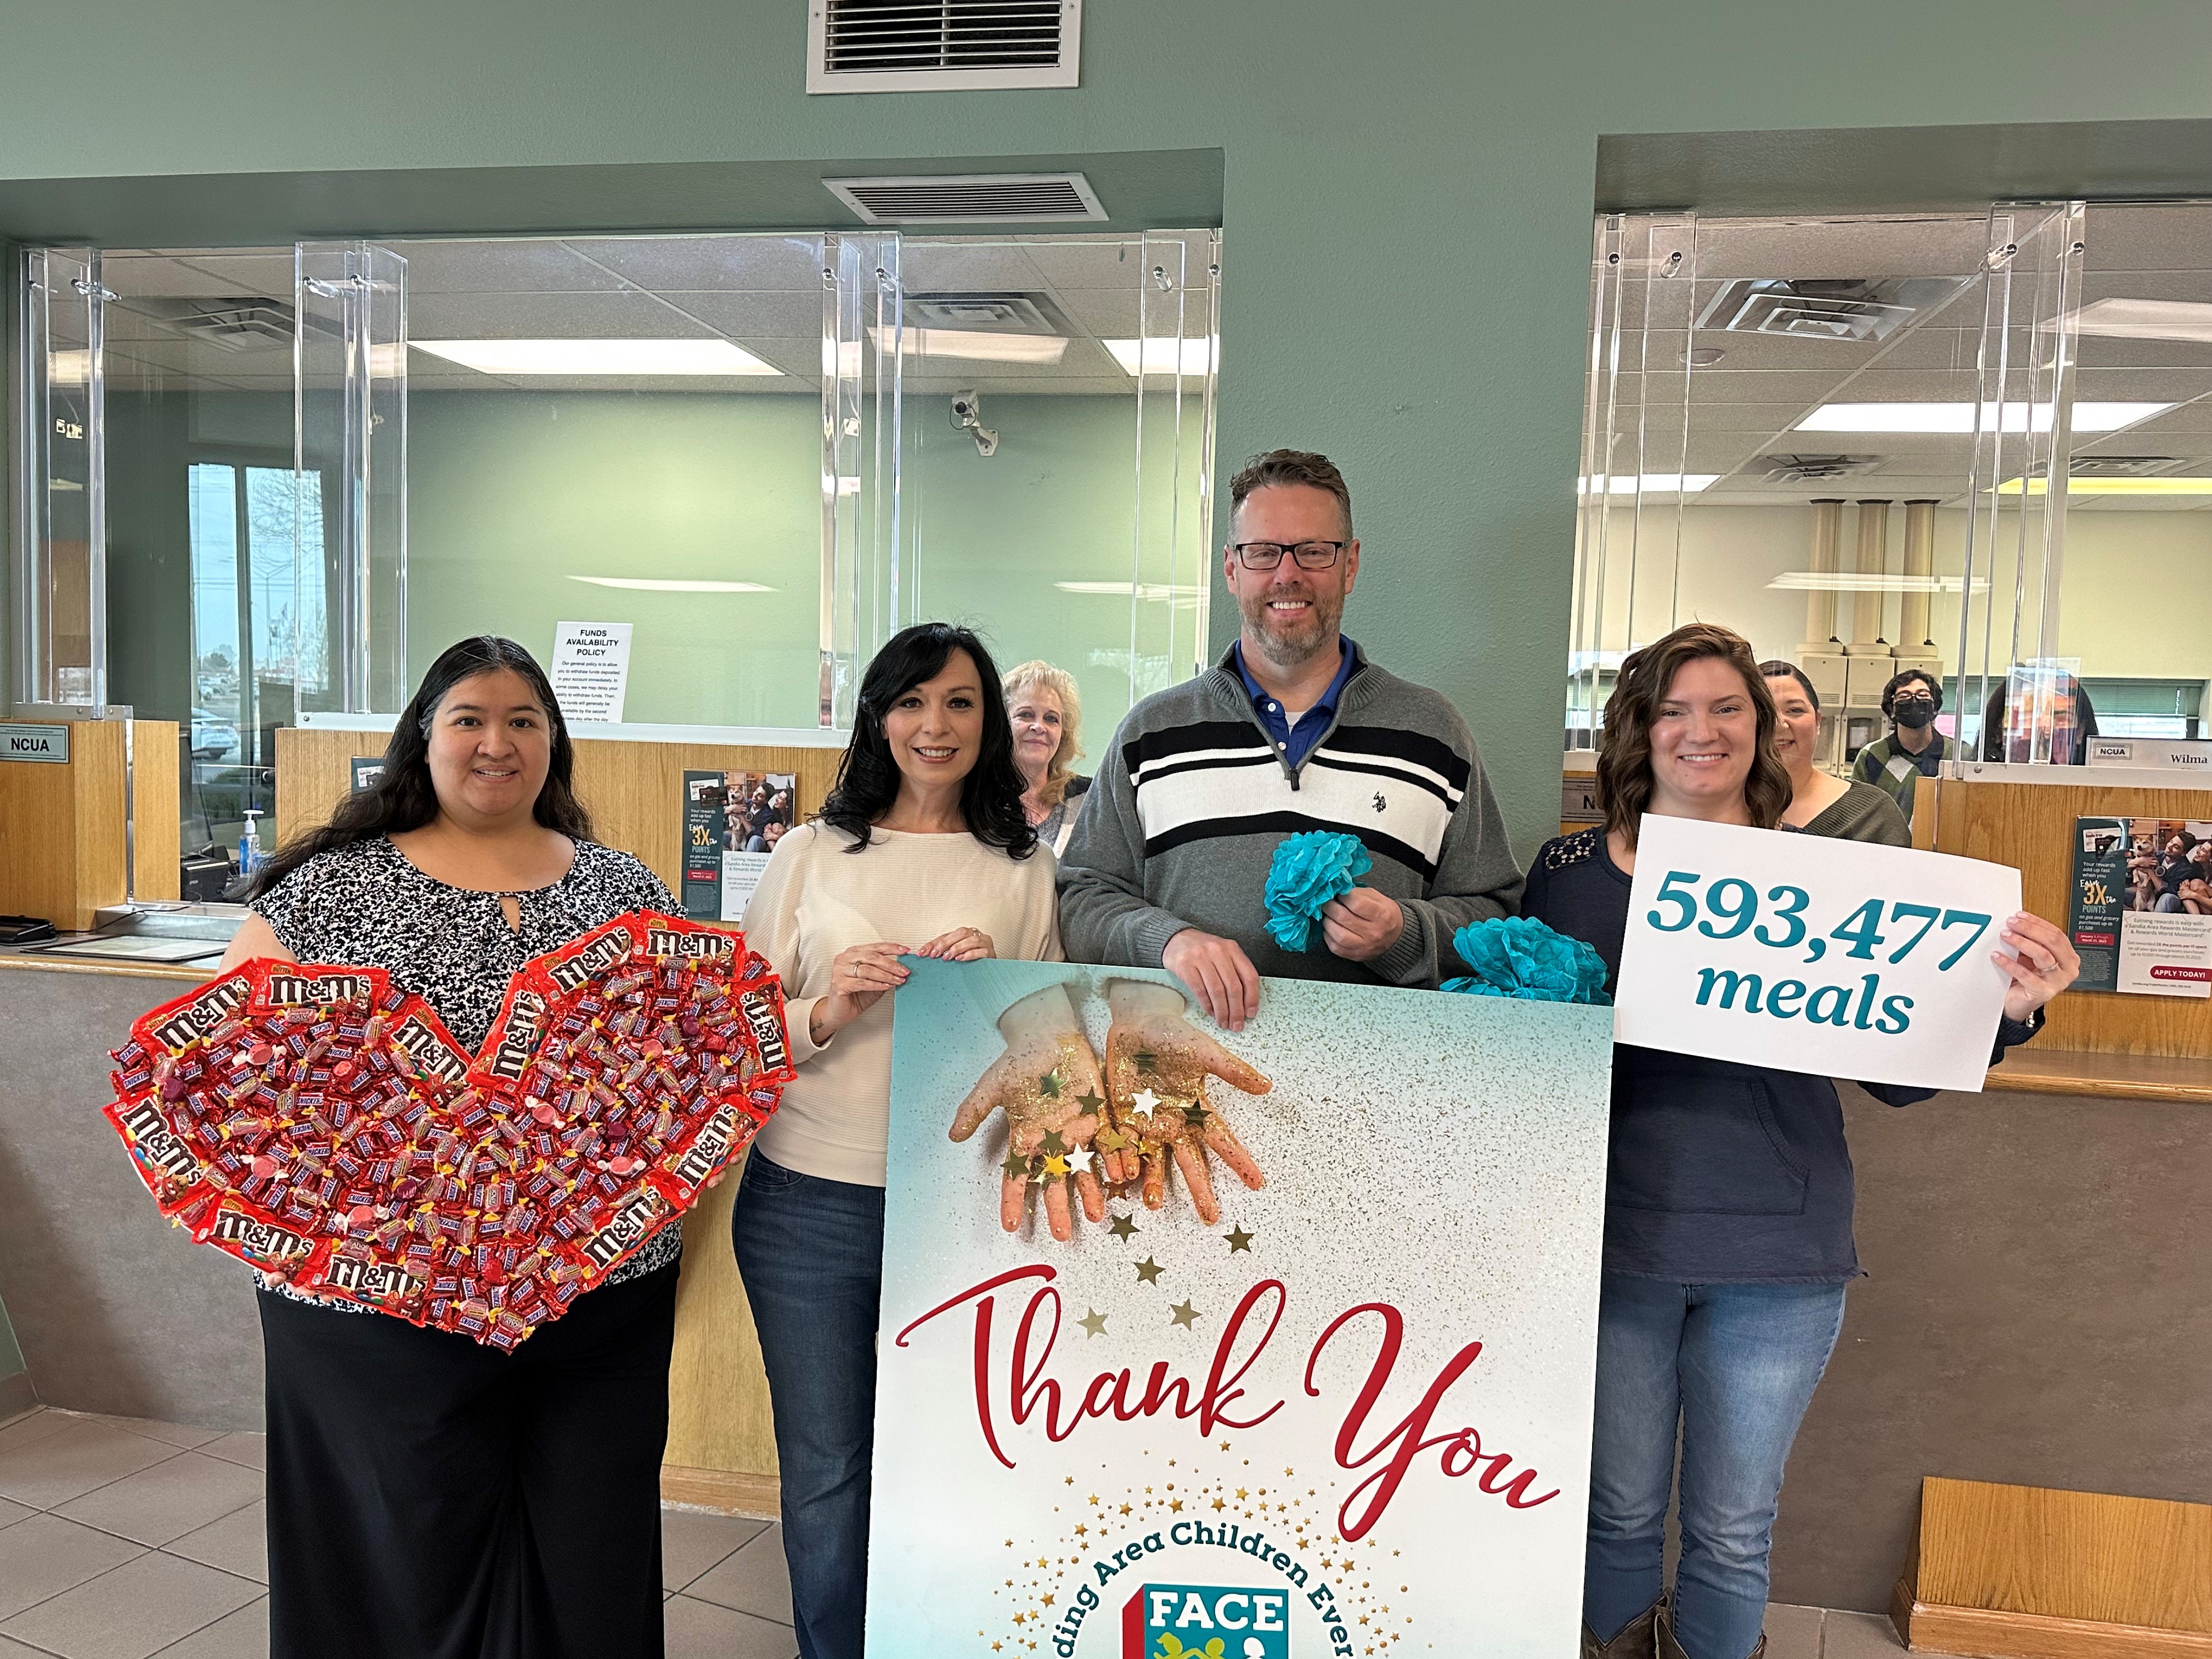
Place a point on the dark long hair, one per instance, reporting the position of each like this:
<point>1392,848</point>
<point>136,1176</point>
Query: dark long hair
<point>868,776</point>
<point>1624,756</point>
<point>402,798</point>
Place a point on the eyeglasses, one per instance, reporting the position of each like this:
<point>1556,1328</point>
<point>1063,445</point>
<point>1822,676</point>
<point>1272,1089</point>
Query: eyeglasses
<point>1266,555</point>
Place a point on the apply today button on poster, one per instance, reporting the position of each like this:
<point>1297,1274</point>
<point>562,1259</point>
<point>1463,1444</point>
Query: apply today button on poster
<point>1807,954</point>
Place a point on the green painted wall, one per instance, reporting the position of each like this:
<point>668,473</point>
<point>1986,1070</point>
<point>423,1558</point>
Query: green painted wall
<point>1405,194</point>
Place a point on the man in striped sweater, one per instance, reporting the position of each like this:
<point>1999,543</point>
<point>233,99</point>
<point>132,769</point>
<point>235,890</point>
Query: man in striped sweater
<point>1292,730</point>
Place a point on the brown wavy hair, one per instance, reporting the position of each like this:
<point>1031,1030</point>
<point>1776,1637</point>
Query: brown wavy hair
<point>1624,758</point>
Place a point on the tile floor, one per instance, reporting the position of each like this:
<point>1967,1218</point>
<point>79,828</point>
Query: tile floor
<point>121,1539</point>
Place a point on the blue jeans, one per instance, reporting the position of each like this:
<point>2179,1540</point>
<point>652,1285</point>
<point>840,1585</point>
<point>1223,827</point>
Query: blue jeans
<point>1733,1366</point>
<point>811,1252</point>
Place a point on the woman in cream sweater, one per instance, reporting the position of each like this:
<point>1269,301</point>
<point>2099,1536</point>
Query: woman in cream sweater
<point>922,848</point>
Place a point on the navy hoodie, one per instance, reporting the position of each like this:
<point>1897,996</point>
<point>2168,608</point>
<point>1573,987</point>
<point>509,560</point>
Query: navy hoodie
<point>1716,1173</point>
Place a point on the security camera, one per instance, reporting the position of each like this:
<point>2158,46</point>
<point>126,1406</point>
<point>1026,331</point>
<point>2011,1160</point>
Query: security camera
<point>968,416</point>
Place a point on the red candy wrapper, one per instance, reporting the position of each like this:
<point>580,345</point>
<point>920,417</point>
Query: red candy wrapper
<point>320,1124</point>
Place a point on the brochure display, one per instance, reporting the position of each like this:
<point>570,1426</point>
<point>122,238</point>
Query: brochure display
<point>2143,906</point>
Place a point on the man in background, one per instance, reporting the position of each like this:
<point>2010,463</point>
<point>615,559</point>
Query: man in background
<point>1293,730</point>
<point>1914,749</point>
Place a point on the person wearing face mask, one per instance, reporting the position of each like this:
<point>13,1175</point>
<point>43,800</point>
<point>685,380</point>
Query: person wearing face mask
<point>1292,730</point>
<point>1914,749</point>
<point>921,849</point>
<point>1047,713</point>
<point>1820,804</point>
<point>428,1495</point>
<point>1728,1191</point>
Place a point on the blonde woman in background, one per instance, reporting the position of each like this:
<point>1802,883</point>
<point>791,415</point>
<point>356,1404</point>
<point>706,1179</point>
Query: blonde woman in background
<point>1047,716</point>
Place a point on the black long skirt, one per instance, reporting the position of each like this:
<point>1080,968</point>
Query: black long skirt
<point>432,1498</point>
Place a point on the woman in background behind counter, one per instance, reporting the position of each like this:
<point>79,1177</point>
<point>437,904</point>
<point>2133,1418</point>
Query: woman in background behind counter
<point>1820,804</point>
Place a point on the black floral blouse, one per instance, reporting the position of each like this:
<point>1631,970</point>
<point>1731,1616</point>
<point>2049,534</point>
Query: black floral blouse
<point>365,906</point>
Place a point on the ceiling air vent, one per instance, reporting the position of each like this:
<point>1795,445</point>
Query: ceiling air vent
<point>1862,309</point>
<point>2121,466</point>
<point>249,322</point>
<point>1813,469</point>
<point>949,46</point>
<point>972,198</point>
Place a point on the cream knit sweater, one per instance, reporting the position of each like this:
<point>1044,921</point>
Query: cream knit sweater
<point>816,899</point>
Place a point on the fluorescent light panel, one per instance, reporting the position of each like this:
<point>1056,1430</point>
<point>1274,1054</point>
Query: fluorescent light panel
<point>2168,486</point>
<point>636,357</point>
<point>1959,418</point>
<point>1176,593</point>
<point>1653,484</point>
<point>2143,319</point>
<point>1163,354</point>
<point>656,585</point>
<point>1846,581</point>
<point>978,346</point>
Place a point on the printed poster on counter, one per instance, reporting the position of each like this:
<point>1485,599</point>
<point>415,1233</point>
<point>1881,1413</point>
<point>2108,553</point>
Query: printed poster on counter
<point>731,821</point>
<point>1808,954</point>
<point>1348,1414</point>
<point>2142,905</point>
<point>590,670</point>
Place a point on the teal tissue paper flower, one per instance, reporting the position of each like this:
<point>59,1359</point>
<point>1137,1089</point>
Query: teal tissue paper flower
<point>1518,957</point>
<point>1310,871</point>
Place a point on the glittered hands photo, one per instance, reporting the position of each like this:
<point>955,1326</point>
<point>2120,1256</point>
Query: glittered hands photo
<point>1078,1133</point>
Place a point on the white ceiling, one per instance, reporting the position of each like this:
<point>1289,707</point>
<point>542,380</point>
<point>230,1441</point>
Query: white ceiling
<point>1744,405</point>
<point>764,293</point>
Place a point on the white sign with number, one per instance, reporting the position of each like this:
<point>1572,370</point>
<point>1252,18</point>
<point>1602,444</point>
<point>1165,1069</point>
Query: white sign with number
<point>1808,954</point>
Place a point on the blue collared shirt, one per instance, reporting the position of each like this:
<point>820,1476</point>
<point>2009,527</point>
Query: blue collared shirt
<point>1295,743</point>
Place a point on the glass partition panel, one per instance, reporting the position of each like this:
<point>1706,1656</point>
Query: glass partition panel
<point>627,430</point>
<point>199,373</point>
<point>1058,442</point>
<point>349,492</point>
<point>60,544</point>
<point>862,363</point>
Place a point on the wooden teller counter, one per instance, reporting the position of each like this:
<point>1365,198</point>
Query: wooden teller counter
<point>116,1313</point>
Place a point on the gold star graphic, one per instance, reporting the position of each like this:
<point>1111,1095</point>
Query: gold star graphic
<point>1175,1504</point>
<point>1094,1324</point>
<point>1184,1315</point>
<point>1239,1240</point>
<point>1089,1102</point>
<point>1149,1271</point>
<point>1123,1226</point>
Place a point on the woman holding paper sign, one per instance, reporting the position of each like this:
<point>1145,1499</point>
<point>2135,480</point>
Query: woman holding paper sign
<point>1728,1240</point>
<point>428,1495</point>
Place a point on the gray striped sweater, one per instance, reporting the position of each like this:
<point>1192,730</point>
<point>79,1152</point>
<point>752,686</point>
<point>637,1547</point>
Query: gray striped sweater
<point>1183,824</point>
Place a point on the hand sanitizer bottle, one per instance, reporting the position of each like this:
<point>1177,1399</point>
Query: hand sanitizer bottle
<point>249,845</point>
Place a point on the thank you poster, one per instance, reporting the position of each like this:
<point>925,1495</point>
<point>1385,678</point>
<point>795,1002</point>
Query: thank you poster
<point>1348,1413</point>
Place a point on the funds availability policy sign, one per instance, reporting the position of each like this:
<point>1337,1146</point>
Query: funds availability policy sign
<point>1346,1413</point>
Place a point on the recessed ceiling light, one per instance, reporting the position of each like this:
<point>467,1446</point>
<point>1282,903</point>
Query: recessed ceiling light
<point>2143,319</point>
<point>1653,484</point>
<point>637,357</point>
<point>1178,593</point>
<point>2114,487</point>
<point>1845,581</point>
<point>1160,355</point>
<point>1959,418</point>
<point>976,346</point>
<point>656,585</point>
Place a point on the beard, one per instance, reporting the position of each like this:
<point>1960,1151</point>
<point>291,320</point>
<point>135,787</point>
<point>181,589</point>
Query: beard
<point>1302,641</point>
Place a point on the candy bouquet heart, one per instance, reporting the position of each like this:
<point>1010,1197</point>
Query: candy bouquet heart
<point>323,1126</point>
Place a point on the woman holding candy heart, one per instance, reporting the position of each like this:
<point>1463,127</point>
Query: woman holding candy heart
<point>427,1495</point>
<point>921,849</point>
<point>1727,1236</point>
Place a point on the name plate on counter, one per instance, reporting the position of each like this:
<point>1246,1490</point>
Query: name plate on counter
<point>34,743</point>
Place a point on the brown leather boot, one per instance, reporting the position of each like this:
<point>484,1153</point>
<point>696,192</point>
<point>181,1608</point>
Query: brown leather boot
<point>1670,1648</point>
<point>1636,1640</point>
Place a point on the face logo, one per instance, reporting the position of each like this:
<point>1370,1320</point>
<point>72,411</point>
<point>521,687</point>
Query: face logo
<point>1206,1621</point>
<point>1381,802</point>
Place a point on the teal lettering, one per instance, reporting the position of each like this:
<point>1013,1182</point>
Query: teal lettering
<point>1830,1004</point>
<point>1792,991</point>
<point>1708,978</point>
<point>1869,985</point>
<point>1895,1008</point>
